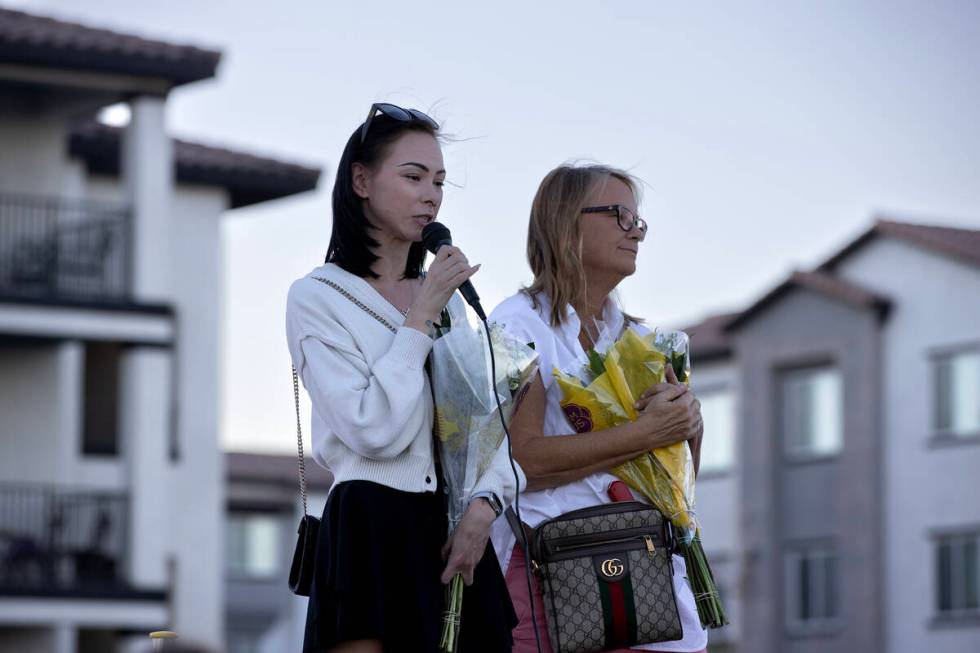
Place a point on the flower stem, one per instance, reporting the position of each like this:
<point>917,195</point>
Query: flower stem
<point>451,618</point>
<point>710,609</point>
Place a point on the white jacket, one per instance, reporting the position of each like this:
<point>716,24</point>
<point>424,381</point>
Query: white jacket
<point>372,403</point>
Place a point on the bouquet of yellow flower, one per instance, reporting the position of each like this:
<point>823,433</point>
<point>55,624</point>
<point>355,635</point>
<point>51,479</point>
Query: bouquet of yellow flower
<point>665,476</point>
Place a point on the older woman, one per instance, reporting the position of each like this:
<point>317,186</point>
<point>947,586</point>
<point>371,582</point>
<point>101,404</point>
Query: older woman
<point>583,239</point>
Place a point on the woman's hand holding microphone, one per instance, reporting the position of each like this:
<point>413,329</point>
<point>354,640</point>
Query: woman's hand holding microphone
<point>447,273</point>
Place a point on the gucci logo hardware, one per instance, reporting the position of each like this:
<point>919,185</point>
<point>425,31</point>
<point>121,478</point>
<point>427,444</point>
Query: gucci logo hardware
<point>612,567</point>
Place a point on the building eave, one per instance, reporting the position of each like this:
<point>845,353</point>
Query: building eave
<point>952,242</point>
<point>248,179</point>
<point>42,42</point>
<point>822,283</point>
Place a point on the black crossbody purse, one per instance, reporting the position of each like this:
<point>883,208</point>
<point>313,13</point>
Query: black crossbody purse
<point>304,557</point>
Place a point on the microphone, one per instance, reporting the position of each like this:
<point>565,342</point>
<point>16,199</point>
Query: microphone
<point>434,236</point>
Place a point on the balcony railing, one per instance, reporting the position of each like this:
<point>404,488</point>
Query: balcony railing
<point>59,249</point>
<point>54,541</point>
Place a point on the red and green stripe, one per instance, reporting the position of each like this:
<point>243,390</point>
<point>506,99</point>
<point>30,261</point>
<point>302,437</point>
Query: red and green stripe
<point>618,612</point>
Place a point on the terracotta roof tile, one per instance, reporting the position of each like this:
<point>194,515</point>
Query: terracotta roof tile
<point>963,244</point>
<point>249,179</point>
<point>955,242</point>
<point>29,39</point>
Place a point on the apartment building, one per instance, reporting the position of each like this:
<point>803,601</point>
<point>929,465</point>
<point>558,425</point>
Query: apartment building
<point>112,495</point>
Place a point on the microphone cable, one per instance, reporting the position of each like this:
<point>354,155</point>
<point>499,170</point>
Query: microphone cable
<point>517,482</point>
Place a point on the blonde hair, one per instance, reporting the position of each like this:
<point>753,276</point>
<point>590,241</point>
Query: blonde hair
<point>554,241</point>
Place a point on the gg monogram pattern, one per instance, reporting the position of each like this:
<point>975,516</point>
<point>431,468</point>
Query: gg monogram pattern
<point>656,607</point>
<point>573,603</point>
<point>589,525</point>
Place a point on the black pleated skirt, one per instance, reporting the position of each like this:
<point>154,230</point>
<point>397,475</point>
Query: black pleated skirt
<point>377,576</point>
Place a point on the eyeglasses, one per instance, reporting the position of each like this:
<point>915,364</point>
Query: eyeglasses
<point>396,113</point>
<point>626,219</point>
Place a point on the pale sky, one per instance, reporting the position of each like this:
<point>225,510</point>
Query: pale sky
<point>768,135</point>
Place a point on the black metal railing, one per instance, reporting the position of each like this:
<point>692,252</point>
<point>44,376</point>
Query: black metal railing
<point>60,249</point>
<point>59,541</point>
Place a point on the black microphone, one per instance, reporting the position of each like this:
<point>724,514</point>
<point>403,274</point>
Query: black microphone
<point>434,236</point>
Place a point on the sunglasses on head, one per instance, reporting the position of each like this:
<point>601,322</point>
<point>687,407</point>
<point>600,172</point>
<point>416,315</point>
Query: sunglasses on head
<point>396,113</point>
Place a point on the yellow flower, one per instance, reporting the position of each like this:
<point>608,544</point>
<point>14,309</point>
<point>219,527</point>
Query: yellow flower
<point>666,475</point>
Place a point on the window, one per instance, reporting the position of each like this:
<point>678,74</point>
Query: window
<point>100,425</point>
<point>957,398</point>
<point>253,541</point>
<point>957,583</point>
<point>812,415</point>
<point>811,587</point>
<point>718,413</point>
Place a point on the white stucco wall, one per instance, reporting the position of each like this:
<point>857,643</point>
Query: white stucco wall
<point>104,189</point>
<point>191,495</point>
<point>41,392</point>
<point>32,157</point>
<point>63,322</point>
<point>197,480</point>
<point>40,403</point>
<point>936,304</point>
<point>145,426</point>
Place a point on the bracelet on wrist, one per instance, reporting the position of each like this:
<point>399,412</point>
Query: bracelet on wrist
<point>492,500</point>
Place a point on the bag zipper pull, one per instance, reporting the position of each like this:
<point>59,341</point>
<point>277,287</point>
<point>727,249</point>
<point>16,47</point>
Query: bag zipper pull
<point>650,548</point>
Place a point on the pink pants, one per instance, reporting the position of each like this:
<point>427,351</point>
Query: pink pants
<point>524,631</point>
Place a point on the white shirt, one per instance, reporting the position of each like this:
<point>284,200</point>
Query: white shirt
<point>559,347</point>
<point>372,404</point>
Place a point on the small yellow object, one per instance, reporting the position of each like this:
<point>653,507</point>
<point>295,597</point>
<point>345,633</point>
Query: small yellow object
<point>163,634</point>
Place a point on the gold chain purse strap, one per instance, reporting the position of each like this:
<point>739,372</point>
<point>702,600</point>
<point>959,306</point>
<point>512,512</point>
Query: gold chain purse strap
<point>357,303</point>
<point>299,441</point>
<point>299,431</point>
